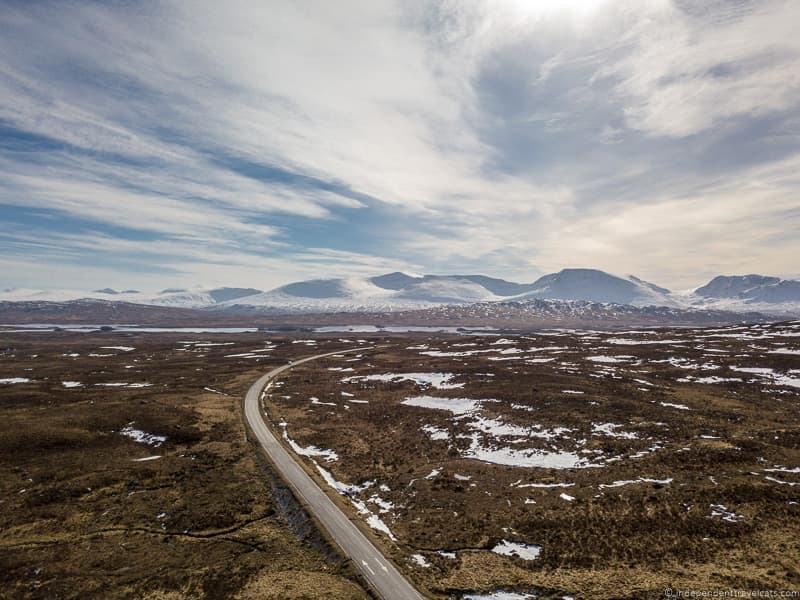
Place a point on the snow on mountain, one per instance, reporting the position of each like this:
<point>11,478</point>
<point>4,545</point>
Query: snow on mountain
<point>347,288</point>
<point>395,291</point>
<point>194,298</point>
<point>598,286</point>
<point>749,292</point>
<point>446,290</point>
<point>113,292</point>
<point>400,291</point>
<point>31,295</point>
<point>725,286</point>
<point>225,294</point>
<point>786,290</point>
<point>350,294</point>
<point>755,288</point>
<point>498,287</point>
<point>394,281</point>
<point>652,286</point>
<point>179,298</point>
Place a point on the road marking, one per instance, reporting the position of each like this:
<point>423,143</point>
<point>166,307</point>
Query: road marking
<point>366,565</point>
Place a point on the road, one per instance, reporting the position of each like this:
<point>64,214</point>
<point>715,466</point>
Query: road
<point>381,574</point>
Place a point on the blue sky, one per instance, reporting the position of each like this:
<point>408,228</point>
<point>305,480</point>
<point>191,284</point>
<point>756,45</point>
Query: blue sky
<point>153,145</point>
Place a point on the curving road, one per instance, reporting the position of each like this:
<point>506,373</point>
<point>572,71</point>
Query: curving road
<point>381,574</point>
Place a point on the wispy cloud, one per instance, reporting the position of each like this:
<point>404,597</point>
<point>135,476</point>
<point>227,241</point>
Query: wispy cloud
<point>254,144</point>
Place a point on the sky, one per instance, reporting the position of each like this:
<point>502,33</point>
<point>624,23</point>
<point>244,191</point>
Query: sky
<point>149,145</point>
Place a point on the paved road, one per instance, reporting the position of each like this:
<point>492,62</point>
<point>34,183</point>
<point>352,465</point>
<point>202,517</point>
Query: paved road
<point>385,579</point>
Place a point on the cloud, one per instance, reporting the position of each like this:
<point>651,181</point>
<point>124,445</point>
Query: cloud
<point>262,143</point>
<point>697,68</point>
<point>736,226</point>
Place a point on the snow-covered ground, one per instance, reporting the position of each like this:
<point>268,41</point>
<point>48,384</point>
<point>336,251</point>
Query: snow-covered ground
<point>504,436</point>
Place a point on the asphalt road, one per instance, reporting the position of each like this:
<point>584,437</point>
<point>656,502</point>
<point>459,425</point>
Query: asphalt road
<point>381,574</point>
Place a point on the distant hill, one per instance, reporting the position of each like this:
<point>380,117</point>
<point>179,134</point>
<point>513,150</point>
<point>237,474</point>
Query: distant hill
<point>598,286</point>
<point>750,292</point>
<point>757,288</point>
<point>528,314</point>
<point>402,292</point>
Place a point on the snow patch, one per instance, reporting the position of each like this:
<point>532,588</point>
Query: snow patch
<point>713,379</point>
<point>420,561</point>
<point>610,359</point>
<point>674,405</point>
<point>511,457</point>
<point>310,451</point>
<point>520,550</point>
<point>125,385</point>
<point>623,482</point>
<point>441,381</point>
<point>142,437</point>
<point>433,474</point>
<point>457,406</point>
<point>500,595</point>
<point>610,430</point>
<point>721,511</point>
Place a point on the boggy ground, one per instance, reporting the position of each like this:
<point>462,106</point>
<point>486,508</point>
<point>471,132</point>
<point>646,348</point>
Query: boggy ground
<point>602,465</point>
<point>569,464</point>
<point>147,489</point>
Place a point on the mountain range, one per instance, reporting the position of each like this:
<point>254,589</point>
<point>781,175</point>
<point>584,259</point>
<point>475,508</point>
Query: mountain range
<point>400,291</point>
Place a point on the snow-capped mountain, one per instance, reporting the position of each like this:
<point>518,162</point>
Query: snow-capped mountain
<point>753,288</point>
<point>199,298</point>
<point>598,286</point>
<point>398,291</point>
<point>401,292</point>
<point>447,290</point>
<point>733,286</point>
<point>395,291</point>
<point>749,292</point>
<point>180,298</point>
<point>499,287</point>
<point>323,295</point>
